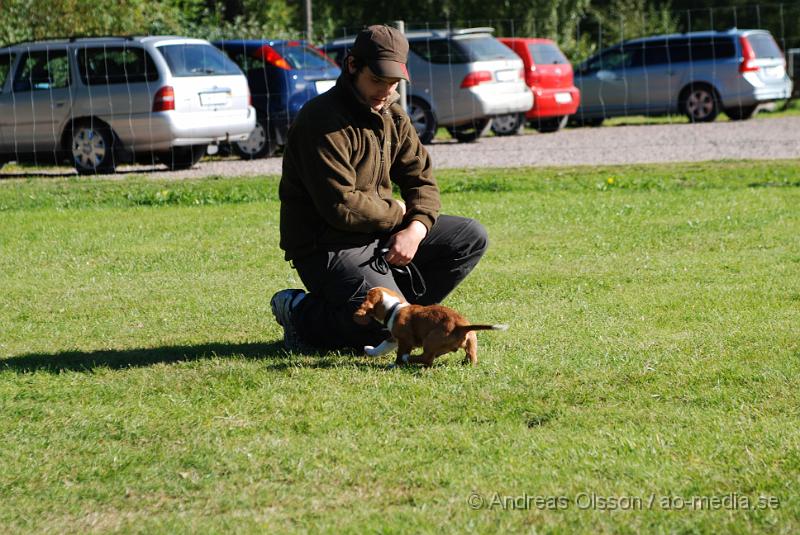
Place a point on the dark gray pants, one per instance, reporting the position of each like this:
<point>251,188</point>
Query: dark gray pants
<point>338,281</point>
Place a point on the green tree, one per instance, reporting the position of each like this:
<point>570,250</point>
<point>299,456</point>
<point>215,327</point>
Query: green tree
<point>40,19</point>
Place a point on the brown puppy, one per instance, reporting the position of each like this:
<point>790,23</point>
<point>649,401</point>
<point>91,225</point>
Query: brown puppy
<point>435,328</point>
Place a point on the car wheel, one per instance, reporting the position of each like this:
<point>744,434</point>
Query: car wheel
<point>469,132</point>
<point>92,148</point>
<point>740,113</point>
<point>700,104</point>
<point>508,125</point>
<point>551,124</point>
<point>260,144</point>
<point>590,122</point>
<point>179,158</point>
<point>423,119</point>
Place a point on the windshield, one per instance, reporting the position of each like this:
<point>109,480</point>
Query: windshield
<point>484,47</point>
<point>303,57</point>
<point>197,60</point>
<point>461,50</point>
<point>546,54</point>
<point>764,45</point>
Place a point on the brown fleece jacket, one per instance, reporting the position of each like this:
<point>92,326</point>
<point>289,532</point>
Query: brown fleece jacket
<point>338,167</point>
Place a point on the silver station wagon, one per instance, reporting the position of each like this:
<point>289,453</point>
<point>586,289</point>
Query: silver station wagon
<point>699,74</point>
<point>98,102</point>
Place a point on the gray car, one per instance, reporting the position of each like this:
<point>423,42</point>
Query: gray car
<point>698,74</point>
<point>460,79</point>
<point>100,101</point>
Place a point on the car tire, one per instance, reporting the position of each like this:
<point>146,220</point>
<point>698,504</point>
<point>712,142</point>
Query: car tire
<point>260,144</point>
<point>92,148</point>
<point>467,133</point>
<point>700,104</point>
<point>740,113</point>
<point>179,158</point>
<point>591,122</point>
<point>423,119</point>
<point>551,124</point>
<point>508,125</point>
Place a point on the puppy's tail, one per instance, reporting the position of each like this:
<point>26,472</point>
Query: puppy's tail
<point>482,327</point>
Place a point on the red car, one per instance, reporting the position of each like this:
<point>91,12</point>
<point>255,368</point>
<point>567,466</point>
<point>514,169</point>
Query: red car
<point>549,75</point>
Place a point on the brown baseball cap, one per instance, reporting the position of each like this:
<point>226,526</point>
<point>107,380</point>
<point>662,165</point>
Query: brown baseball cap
<point>385,50</point>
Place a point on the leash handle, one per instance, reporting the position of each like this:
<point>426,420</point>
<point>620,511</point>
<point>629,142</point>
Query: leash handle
<point>382,266</point>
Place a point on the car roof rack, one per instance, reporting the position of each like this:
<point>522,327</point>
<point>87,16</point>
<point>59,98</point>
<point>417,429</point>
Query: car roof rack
<point>467,31</point>
<point>69,39</point>
<point>73,38</point>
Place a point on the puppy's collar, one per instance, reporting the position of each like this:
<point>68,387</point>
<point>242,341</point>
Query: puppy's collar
<point>390,315</point>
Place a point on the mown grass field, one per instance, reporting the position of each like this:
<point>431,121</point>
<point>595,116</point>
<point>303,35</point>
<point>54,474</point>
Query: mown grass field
<point>650,380</point>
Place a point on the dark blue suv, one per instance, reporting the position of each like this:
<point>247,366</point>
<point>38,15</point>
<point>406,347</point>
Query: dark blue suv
<point>283,76</point>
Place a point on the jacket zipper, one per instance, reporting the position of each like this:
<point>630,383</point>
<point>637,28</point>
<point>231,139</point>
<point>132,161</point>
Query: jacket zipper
<point>382,142</point>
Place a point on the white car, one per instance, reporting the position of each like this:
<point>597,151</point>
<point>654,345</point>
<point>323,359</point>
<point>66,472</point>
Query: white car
<point>101,101</point>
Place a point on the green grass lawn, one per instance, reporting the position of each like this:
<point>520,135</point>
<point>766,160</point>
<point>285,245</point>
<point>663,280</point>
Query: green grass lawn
<point>653,359</point>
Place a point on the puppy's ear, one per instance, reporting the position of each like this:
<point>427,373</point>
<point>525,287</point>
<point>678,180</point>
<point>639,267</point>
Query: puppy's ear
<point>362,315</point>
<point>366,311</point>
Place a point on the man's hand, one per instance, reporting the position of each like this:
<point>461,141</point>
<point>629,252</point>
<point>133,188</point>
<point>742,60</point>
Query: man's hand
<point>403,244</point>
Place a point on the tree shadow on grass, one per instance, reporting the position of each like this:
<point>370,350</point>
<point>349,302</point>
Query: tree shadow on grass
<point>273,354</point>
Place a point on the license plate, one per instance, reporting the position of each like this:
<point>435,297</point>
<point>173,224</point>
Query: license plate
<point>217,98</point>
<point>324,85</point>
<point>510,75</point>
<point>563,98</point>
<point>774,72</point>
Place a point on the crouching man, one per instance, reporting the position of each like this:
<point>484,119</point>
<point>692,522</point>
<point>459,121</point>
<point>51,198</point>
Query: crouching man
<point>340,226</point>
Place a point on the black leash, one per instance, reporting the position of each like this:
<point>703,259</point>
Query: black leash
<point>379,264</point>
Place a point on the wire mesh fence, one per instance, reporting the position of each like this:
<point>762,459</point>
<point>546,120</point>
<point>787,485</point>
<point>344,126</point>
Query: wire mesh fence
<point>97,102</point>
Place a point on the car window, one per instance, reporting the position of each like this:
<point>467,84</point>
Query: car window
<point>336,54</point>
<point>700,49</point>
<point>616,58</point>
<point>655,53</point>
<point>5,68</point>
<point>546,54</point>
<point>243,60</point>
<point>42,70</point>
<point>764,45</point>
<point>303,57</point>
<point>484,47</point>
<point>115,65</point>
<point>197,60</point>
<point>439,51</point>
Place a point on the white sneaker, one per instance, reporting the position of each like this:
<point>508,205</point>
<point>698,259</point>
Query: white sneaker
<point>283,304</point>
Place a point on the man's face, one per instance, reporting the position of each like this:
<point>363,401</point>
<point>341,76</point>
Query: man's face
<point>375,90</point>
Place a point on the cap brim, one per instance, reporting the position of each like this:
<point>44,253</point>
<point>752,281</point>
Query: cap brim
<point>389,69</point>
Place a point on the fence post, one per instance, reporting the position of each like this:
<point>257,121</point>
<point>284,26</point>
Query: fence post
<point>401,88</point>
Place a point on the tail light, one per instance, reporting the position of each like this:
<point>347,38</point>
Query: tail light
<point>475,78</point>
<point>271,56</point>
<point>533,77</point>
<point>748,56</point>
<point>164,99</point>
